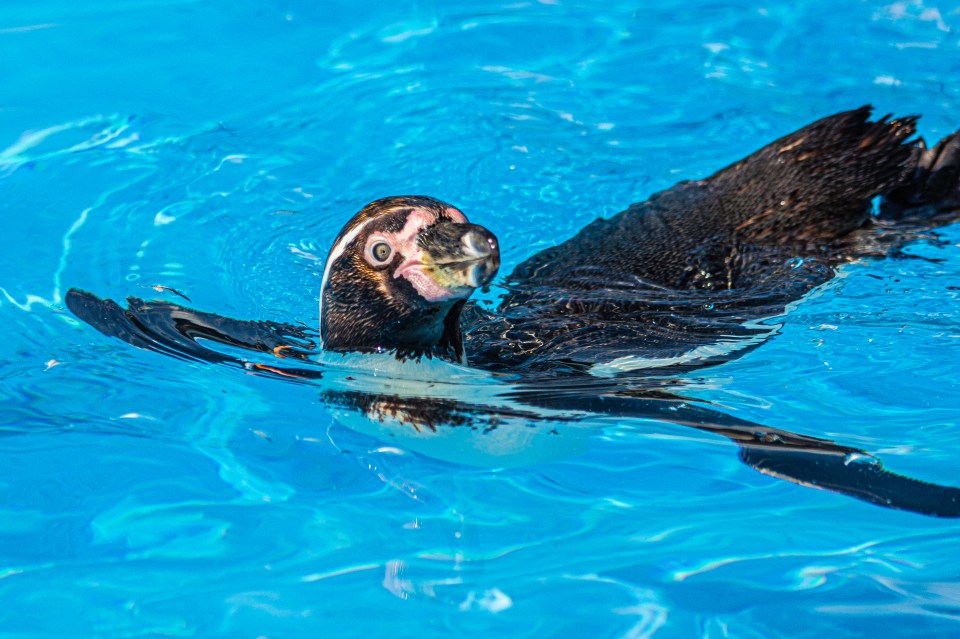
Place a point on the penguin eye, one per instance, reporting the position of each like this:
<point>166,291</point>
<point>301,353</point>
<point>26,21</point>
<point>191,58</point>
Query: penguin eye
<point>381,251</point>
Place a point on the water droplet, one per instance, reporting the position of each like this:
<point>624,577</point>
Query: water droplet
<point>860,458</point>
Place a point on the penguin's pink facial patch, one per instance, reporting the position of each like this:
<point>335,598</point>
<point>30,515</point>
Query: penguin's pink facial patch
<point>403,243</point>
<point>455,215</point>
<point>426,286</point>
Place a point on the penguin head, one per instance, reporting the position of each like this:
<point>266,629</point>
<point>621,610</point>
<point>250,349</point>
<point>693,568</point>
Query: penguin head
<point>398,275</point>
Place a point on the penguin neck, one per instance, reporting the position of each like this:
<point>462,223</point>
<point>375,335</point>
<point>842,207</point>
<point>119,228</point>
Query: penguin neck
<point>451,339</point>
<point>441,338</point>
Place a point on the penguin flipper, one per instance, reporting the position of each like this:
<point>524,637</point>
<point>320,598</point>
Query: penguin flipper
<point>799,459</point>
<point>855,474</point>
<point>826,465</point>
<point>173,330</point>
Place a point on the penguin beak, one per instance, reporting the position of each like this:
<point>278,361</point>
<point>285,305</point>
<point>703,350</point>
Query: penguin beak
<point>453,260</point>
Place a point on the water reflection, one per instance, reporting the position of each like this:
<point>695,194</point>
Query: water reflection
<point>490,419</point>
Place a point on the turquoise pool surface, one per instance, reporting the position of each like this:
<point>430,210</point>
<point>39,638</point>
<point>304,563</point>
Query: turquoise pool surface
<point>216,148</point>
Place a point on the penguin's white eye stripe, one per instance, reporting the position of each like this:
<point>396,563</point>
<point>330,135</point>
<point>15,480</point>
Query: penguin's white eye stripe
<point>335,254</point>
<point>338,250</point>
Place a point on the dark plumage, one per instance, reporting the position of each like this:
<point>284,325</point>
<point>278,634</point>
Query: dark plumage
<point>693,263</point>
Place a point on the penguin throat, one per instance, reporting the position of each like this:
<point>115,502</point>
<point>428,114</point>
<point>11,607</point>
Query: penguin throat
<point>439,337</point>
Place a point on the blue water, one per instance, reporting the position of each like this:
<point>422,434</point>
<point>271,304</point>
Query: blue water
<point>217,147</point>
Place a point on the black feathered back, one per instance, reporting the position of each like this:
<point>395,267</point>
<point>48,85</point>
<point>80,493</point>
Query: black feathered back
<point>800,192</point>
<point>691,265</point>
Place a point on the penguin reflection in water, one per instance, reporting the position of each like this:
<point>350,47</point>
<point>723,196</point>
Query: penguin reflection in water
<point>598,324</point>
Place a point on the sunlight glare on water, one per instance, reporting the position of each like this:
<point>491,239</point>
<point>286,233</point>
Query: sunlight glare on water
<point>216,149</point>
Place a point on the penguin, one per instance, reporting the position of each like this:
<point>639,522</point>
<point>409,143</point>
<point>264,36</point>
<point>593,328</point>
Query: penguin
<point>590,326</point>
<point>671,280</point>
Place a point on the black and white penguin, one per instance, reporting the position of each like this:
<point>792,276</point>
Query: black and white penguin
<point>679,280</point>
<point>659,284</point>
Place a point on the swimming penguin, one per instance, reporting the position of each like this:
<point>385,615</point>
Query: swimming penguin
<point>592,324</point>
<point>742,243</point>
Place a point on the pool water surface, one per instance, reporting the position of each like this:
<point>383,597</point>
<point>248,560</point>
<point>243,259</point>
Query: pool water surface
<point>217,148</point>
